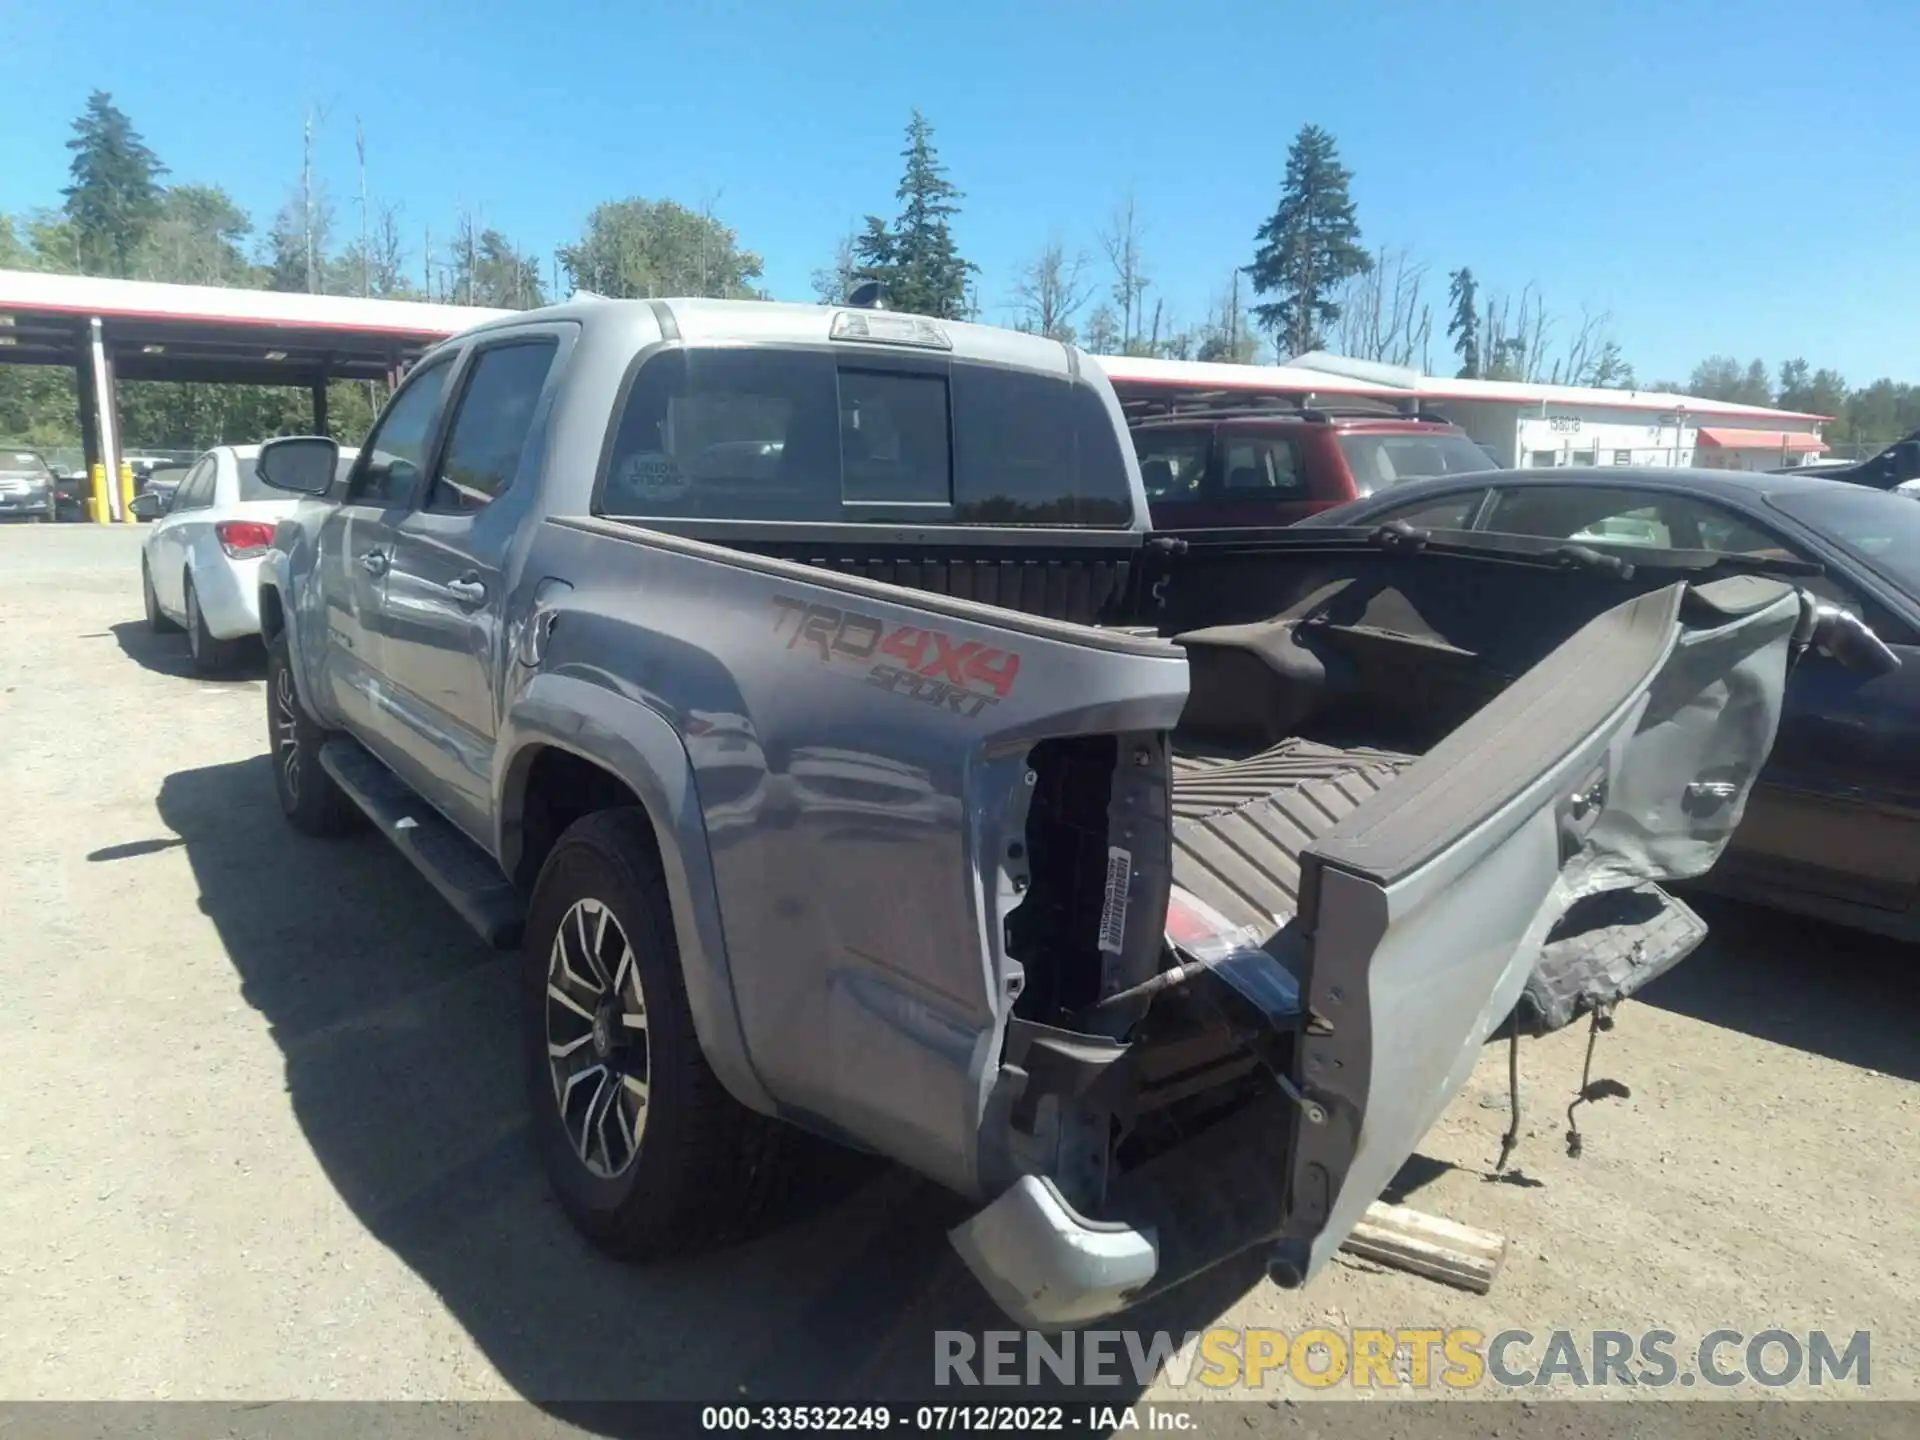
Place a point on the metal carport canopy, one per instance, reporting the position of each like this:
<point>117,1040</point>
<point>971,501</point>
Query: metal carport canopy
<point>208,333</point>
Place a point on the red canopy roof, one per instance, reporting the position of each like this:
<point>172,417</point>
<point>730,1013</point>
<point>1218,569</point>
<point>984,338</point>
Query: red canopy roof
<point>1730,437</point>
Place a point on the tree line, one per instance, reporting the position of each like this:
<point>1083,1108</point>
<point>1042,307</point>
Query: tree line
<point>1310,283</point>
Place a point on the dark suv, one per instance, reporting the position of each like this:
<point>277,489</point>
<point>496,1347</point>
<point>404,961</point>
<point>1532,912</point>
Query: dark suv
<point>1252,467</point>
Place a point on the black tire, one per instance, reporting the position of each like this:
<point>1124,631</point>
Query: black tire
<point>309,798</point>
<point>700,1169</point>
<point>157,620</point>
<point>211,655</point>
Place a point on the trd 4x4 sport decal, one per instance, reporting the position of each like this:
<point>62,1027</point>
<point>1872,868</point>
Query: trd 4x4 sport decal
<point>930,666</point>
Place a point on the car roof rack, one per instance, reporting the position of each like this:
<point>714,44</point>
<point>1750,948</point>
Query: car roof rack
<point>1173,405</point>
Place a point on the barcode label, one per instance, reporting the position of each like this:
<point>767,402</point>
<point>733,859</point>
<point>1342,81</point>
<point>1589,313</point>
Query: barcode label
<point>1113,911</point>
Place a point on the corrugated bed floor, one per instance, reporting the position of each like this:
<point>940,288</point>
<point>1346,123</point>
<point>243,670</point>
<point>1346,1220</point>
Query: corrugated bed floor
<point>1239,825</point>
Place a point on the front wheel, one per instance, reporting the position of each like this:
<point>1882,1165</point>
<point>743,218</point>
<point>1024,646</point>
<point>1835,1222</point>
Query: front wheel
<point>309,798</point>
<point>647,1152</point>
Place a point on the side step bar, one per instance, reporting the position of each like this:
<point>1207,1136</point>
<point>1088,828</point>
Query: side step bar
<point>460,870</point>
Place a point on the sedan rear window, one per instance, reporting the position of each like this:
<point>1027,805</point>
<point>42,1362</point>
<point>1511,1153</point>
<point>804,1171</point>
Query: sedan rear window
<point>1378,461</point>
<point>26,460</point>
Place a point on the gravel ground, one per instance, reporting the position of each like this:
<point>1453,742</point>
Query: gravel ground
<point>262,1134</point>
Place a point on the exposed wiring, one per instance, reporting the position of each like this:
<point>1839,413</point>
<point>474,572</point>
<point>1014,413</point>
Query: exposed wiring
<point>1591,1089</point>
<point>1510,1140</point>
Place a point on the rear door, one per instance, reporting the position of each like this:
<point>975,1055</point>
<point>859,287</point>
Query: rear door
<point>174,533</point>
<point>1625,756</point>
<point>446,586</point>
<point>1261,480</point>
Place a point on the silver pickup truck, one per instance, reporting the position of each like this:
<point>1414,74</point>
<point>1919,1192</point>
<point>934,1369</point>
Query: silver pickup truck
<point>803,692</point>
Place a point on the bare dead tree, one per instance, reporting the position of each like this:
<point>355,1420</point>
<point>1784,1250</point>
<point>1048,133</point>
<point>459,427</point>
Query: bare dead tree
<point>1577,366</point>
<point>1121,239</point>
<point>1051,291</point>
<point>1383,312</point>
<point>366,253</point>
<point>833,283</point>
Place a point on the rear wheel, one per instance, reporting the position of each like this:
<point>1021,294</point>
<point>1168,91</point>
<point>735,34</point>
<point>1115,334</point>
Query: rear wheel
<point>211,655</point>
<point>157,620</point>
<point>647,1152</point>
<point>309,798</point>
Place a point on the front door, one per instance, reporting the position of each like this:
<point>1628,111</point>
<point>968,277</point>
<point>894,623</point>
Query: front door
<point>446,586</point>
<point>356,550</point>
<point>1837,813</point>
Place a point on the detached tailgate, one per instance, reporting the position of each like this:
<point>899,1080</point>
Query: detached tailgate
<point>1626,756</point>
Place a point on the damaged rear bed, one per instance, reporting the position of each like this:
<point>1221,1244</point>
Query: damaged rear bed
<point>1401,805</point>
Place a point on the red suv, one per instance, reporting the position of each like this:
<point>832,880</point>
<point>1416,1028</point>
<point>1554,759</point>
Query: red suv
<point>1221,469</point>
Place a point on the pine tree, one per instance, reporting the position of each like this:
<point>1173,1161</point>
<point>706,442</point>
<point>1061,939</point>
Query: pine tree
<point>1464,327</point>
<point>1309,246</point>
<point>915,259</point>
<point>115,196</point>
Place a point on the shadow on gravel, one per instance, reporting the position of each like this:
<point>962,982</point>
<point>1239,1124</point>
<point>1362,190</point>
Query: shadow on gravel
<point>1839,993</point>
<point>167,655</point>
<point>398,1033</point>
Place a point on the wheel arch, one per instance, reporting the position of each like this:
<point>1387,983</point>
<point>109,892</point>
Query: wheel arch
<point>569,748</point>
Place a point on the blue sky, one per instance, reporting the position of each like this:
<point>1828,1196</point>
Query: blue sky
<point>1739,179</point>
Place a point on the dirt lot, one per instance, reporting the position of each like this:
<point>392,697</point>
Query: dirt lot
<point>262,1133</point>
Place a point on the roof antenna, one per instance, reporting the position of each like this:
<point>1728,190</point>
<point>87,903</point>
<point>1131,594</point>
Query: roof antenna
<point>868,295</point>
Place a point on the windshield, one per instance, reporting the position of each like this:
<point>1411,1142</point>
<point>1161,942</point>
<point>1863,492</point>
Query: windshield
<point>23,462</point>
<point>1378,461</point>
<point>1880,530</point>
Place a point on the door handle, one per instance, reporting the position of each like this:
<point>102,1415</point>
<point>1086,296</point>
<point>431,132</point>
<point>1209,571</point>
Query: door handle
<point>467,590</point>
<point>374,562</point>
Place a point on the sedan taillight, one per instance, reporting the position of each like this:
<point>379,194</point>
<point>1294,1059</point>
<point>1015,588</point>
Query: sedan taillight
<point>242,539</point>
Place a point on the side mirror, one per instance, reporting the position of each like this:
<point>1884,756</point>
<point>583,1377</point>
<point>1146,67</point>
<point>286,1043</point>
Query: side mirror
<point>148,506</point>
<point>300,464</point>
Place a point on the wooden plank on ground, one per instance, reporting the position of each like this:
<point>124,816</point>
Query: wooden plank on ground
<point>1427,1245</point>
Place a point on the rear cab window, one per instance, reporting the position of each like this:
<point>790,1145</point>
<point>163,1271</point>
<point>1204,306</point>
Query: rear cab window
<point>794,434</point>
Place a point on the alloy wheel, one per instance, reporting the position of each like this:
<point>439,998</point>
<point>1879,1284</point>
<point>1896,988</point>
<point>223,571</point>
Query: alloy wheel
<point>597,1039</point>
<point>286,732</point>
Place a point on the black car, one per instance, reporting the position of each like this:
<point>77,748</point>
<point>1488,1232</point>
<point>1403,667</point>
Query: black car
<point>1833,829</point>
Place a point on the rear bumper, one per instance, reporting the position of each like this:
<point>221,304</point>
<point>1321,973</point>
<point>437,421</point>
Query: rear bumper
<point>229,594</point>
<point>26,505</point>
<point>1221,1193</point>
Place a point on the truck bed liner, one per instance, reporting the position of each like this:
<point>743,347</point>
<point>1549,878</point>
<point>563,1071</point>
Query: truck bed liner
<point>1239,824</point>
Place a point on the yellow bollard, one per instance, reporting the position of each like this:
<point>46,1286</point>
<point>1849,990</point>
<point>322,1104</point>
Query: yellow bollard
<point>127,517</point>
<point>97,499</point>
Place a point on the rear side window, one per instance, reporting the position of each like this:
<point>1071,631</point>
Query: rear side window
<point>196,490</point>
<point>1173,463</point>
<point>1262,468</point>
<point>490,425</point>
<point>1451,512</point>
<point>801,435</point>
<point>1378,461</point>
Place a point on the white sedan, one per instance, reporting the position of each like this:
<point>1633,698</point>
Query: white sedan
<point>200,565</point>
